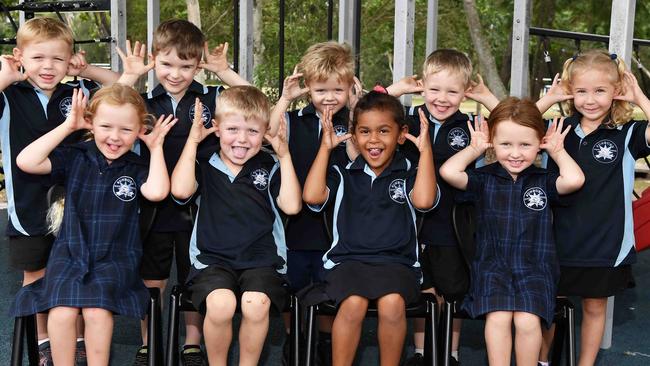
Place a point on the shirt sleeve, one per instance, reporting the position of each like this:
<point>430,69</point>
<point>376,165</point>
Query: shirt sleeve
<point>59,160</point>
<point>475,183</point>
<point>334,182</point>
<point>553,197</point>
<point>275,184</point>
<point>638,144</point>
<point>410,183</point>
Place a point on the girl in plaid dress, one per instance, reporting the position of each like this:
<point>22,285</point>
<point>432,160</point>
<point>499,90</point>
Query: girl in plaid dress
<point>514,272</point>
<point>93,267</point>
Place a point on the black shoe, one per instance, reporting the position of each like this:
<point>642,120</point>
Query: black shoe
<point>286,350</point>
<point>80,354</point>
<point>416,360</point>
<point>324,352</point>
<point>45,354</point>
<point>142,357</point>
<point>192,355</point>
<point>454,362</point>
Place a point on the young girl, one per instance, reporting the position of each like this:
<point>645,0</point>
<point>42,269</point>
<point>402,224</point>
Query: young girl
<point>95,258</point>
<point>374,252</point>
<point>514,271</point>
<point>594,230</point>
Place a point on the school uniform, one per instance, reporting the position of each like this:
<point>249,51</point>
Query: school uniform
<point>27,114</point>
<point>95,258</point>
<point>307,232</point>
<point>374,250</point>
<point>515,267</point>
<point>443,264</point>
<point>171,225</point>
<point>238,229</point>
<point>595,230</point>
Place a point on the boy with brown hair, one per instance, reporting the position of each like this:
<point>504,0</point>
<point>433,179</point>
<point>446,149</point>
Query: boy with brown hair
<point>178,50</point>
<point>237,250</point>
<point>328,72</point>
<point>33,102</point>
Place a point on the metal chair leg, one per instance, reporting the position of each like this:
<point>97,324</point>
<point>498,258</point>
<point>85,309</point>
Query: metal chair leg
<point>171,358</point>
<point>154,329</point>
<point>17,346</point>
<point>309,344</point>
<point>31,335</point>
<point>571,336</point>
<point>294,333</point>
<point>448,325</point>
<point>431,334</point>
<point>559,339</point>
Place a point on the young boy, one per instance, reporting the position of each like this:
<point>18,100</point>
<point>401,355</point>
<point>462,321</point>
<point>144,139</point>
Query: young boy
<point>328,71</point>
<point>177,51</point>
<point>33,103</point>
<point>446,81</point>
<point>237,248</point>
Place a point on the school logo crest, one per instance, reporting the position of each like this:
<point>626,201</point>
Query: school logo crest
<point>65,106</point>
<point>260,178</point>
<point>535,199</point>
<point>206,116</point>
<point>340,130</point>
<point>397,190</point>
<point>124,188</point>
<point>605,151</point>
<point>457,138</point>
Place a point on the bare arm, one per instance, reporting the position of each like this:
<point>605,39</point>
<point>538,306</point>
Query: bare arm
<point>34,158</point>
<point>290,197</point>
<point>424,191</point>
<point>571,176</point>
<point>290,91</point>
<point>479,92</point>
<point>453,170</point>
<point>183,186</point>
<point>554,95</point>
<point>406,85</point>
<point>156,188</point>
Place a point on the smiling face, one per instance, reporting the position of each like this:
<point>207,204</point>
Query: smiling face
<point>515,146</point>
<point>174,73</point>
<point>376,135</point>
<point>331,93</point>
<point>45,63</point>
<point>240,139</point>
<point>115,129</point>
<point>593,92</point>
<point>443,93</point>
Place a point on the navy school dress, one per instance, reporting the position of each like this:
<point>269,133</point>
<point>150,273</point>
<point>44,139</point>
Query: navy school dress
<point>95,259</point>
<point>515,267</point>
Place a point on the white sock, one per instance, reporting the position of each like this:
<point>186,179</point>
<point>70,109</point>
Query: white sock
<point>542,363</point>
<point>454,354</point>
<point>80,339</point>
<point>419,350</point>
<point>41,341</point>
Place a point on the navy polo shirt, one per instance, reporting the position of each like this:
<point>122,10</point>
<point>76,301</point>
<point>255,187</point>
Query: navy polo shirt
<point>374,219</point>
<point>447,138</point>
<point>238,223</point>
<point>306,230</point>
<point>595,228</point>
<point>27,114</point>
<point>171,217</point>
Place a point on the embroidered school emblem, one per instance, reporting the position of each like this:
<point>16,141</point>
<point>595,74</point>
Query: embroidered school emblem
<point>124,188</point>
<point>260,178</point>
<point>206,116</point>
<point>457,138</point>
<point>535,199</point>
<point>605,151</point>
<point>340,130</point>
<point>397,190</point>
<point>65,106</point>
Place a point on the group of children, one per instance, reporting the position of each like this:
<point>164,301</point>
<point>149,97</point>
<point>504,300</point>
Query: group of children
<point>335,204</point>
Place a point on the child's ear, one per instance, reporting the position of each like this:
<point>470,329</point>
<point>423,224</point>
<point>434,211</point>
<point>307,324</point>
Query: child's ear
<point>18,53</point>
<point>401,138</point>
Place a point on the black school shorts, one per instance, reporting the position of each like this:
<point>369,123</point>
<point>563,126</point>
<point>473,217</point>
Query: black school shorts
<point>444,269</point>
<point>29,253</point>
<point>158,249</point>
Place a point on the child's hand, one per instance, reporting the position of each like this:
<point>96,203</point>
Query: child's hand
<point>156,137</point>
<point>217,60</point>
<point>75,120</point>
<point>422,142</point>
<point>279,141</point>
<point>354,94</point>
<point>406,85</point>
<point>133,60</point>
<point>557,91</point>
<point>479,92</point>
<point>479,135</point>
<point>77,63</point>
<point>553,141</point>
<point>329,138</point>
<point>10,69</point>
<point>291,87</point>
<point>198,132</point>
<point>631,91</point>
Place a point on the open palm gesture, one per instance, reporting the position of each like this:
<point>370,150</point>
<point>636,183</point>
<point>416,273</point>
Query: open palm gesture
<point>279,141</point>
<point>422,142</point>
<point>330,139</point>
<point>198,132</point>
<point>76,119</point>
<point>133,59</point>
<point>553,141</point>
<point>479,135</point>
<point>156,137</point>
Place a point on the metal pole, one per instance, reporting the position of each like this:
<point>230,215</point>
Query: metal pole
<point>621,30</point>
<point>235,33</point>
<point>403,42</point>
<point>246,39</point>
<point>118,31</point>
<point>281,47</point>
<point>432,26</point>
<point>153,19</point>
<point>520,39</point>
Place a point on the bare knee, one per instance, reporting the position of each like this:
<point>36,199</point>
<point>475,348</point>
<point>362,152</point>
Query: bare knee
<point>353,309</point>
<point>220,306</point>
<point>527,323</point>
<point>62,316</point>
<point>500,319</point>
<point>594,307</point>
<point>255,306</point>
<point>96,315</point>
<point>391,308</point>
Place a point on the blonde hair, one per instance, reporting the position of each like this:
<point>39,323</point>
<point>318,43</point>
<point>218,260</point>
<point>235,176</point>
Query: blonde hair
<point>44,29</point>
<point>118,94</point>
<point>451,60</point>
<point>326,59</point>
<point>181,35</point>
<point>610,64</point>
<point>244,100</point>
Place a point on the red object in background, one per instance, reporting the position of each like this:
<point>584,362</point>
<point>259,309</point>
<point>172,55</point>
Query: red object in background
<point>641,210</point>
